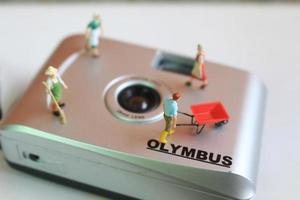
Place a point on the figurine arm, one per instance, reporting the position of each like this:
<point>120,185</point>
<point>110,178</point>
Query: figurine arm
<point>62,82</point>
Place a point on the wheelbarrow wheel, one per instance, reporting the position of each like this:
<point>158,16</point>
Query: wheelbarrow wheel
<point>221,123</point>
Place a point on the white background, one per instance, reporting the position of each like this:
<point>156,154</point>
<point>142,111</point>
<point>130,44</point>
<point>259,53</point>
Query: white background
<point>264,39</point>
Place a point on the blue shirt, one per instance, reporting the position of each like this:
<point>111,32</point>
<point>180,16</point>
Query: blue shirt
<point>170,108</point>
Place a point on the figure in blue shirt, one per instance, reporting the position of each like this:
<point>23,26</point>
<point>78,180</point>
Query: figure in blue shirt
<point>170,115</point>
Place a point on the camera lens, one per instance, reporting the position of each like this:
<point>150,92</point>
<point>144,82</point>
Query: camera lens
<point>139,98</point>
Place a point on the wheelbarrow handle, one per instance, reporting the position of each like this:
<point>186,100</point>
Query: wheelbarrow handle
<point>183,113</point>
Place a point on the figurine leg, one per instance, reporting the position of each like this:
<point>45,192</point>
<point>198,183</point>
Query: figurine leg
<point>61,104</point>
<point>167,131</point>
<point>95,52</point>
<point>54,109</point>
<point>163,137</point>
<point>87,47</point>
<point>171,132</point>
<point>174,120</point>
<point>189,83</point>
<point>204,84</point>
<point>168,126</point>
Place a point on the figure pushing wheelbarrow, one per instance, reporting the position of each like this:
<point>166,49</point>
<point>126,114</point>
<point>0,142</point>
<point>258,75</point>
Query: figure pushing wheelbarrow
<point>170,116</point>
<point>202,114</point>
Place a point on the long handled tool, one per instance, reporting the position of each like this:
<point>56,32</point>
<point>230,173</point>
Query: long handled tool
<point>62,115</point>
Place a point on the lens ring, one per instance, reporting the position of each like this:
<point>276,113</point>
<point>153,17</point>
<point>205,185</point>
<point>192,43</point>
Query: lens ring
<point>136,99</point>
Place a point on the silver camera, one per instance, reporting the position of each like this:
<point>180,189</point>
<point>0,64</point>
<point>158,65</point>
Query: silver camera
<point>115,117</point>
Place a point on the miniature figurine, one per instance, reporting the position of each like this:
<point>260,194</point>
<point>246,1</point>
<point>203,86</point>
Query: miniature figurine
<point>170,115</point>
<point>54,91</point>
<point>198,71</point>
<point>92,34</point>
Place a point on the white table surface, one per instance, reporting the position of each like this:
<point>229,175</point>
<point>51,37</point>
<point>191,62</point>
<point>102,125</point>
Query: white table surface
<point>264,39</point>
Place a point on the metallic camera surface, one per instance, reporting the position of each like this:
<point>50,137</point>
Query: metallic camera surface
<point>220,163</point>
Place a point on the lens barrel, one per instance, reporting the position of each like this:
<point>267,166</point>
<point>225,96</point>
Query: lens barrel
<point>134,99</point>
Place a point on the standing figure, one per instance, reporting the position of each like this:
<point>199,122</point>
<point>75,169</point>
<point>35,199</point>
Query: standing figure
<point>198,71</point>
<point>54,91</point>
<point>92,34</point>
<point>170,115</point>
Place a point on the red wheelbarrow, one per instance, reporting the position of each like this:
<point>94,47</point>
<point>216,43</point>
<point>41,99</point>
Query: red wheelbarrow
<point>207,113</point>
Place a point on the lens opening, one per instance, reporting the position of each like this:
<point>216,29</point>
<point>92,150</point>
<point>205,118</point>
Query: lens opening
<point>139,98</point>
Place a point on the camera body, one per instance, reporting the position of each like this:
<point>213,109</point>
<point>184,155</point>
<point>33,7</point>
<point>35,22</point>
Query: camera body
<point>115,117</point>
